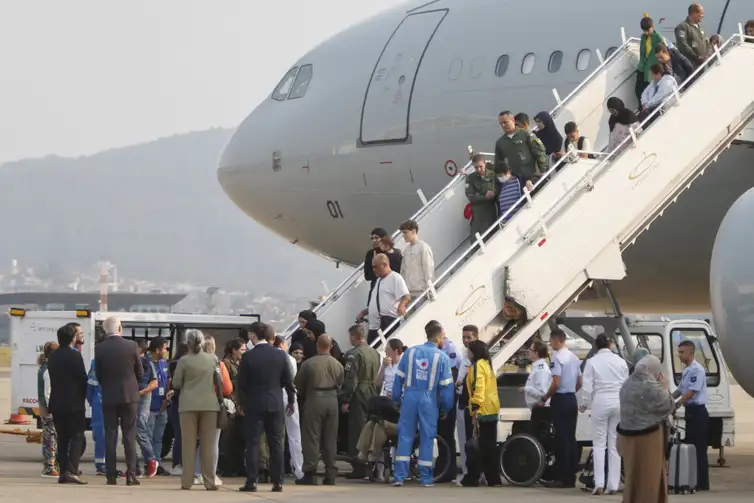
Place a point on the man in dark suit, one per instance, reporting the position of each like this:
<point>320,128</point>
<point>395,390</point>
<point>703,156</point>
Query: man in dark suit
<point>263,373</point>
<point>67,405</point>
<point>118,367</point>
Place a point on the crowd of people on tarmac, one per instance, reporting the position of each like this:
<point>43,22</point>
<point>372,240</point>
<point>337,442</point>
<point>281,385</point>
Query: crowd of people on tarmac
<point>392,405</point>
<point>238,415</point>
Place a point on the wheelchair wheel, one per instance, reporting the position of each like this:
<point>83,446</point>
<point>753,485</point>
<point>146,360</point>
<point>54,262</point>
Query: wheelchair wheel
<point>523,460</point>
<point>441,451</point>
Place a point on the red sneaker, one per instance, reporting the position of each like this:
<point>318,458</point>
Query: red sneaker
<point>151,468</point>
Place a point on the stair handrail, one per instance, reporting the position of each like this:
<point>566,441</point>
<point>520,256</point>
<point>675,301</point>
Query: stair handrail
<point>608,60</point>
<point>358,271</point>
<point>674,99</point>
<point>585,179</point>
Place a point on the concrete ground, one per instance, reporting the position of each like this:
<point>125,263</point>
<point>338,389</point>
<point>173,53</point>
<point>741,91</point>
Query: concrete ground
<point>20,468</point>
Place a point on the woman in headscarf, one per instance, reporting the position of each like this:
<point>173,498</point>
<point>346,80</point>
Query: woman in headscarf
<point>645,404</point>
<point>622,121</point>
<point>548,133</point>
<point>637,356</point>
<point>314,330</point>
<point>301,337</point>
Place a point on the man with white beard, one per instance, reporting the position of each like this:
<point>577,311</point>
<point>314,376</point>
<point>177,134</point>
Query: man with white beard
<point>292,425</point>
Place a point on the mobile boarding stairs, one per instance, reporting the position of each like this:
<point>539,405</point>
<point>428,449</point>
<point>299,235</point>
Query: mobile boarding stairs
<point>583,216</point>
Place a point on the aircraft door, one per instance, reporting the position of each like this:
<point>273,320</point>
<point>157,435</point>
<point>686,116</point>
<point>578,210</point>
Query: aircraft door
<point>387,103</point>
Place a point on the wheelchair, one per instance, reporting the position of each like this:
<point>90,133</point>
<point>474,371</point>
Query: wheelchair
<point>527,456</point>
<point>441,451</point>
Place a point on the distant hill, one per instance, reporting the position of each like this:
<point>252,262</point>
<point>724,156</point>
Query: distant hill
<point>157,211</point>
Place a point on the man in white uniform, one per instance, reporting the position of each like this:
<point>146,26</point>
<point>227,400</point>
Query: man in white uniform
<point>292,425</point>
<point>604,375</point>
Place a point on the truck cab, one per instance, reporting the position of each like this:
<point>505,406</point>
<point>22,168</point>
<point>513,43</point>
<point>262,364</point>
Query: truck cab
<point>661,339</point>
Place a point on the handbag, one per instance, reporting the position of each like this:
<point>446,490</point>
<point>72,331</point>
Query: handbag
<point>222,415</point>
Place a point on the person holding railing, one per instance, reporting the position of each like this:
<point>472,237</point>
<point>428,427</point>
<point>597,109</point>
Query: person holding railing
<point>521,150</point>
<point>510,193</point>
<point>574,138</point>
<point>674,63</point>
<point>481,189</point>
<point>662,87</point>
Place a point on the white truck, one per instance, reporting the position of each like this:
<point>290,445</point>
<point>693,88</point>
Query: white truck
<point>30,330</point>
<point>660,338</point>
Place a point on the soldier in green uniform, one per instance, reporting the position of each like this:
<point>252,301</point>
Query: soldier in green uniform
<point>690,38</point>
<point>359,385</point>
<point>318,381</point>
<point>481,191</point>
<point>521,150</point>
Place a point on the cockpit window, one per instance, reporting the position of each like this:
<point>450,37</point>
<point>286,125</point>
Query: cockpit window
<point>281,91</point>
<point>302,82</point>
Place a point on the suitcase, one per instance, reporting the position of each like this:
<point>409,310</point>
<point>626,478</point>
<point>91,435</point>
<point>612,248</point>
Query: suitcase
<point>682,469</point>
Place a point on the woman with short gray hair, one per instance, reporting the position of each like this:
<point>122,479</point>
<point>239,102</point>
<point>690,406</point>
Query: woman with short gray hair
<point>645,405</point>
<point>210,347</point>
<point>198,408</point>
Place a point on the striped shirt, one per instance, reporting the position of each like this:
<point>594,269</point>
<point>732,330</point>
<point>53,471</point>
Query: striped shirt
<point>510,193</point>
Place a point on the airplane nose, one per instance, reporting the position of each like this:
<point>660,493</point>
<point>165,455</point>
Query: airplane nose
<point>246,167</point>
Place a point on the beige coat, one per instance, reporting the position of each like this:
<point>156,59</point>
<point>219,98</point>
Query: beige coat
<point>194,376</point>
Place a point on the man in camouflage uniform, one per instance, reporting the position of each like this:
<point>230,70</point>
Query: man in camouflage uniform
<point>481,191</point>
<point>521,150</point>
<point>361,369</point>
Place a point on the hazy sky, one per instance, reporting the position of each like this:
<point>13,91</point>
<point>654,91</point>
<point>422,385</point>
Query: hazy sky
<point>79,76</point>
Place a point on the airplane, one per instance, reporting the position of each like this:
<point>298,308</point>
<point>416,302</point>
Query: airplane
<point>327,156</point>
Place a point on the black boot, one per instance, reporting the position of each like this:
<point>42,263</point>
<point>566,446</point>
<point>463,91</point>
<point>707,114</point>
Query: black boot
<point>359,471</point>
<point>309,479</point>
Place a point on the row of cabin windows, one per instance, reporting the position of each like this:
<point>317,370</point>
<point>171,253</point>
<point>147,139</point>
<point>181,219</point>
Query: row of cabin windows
<point>553,65</point>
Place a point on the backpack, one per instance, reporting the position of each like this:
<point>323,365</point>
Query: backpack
<point>579,145</point>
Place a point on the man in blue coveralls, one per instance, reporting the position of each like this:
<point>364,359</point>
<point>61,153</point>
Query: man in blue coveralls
<point>693,396</point>
<point>94,397</point>
<point>425,372</point>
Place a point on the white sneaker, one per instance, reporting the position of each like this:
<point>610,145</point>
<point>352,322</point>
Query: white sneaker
<point>198,480</point>
<point>176,471</point>
<point>218,482</point>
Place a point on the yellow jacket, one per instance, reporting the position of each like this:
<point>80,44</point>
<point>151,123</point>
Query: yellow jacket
<point>482,386</point>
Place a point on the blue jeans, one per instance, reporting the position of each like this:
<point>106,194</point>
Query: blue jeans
<point>156,425</point>
<point>143,437</point>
